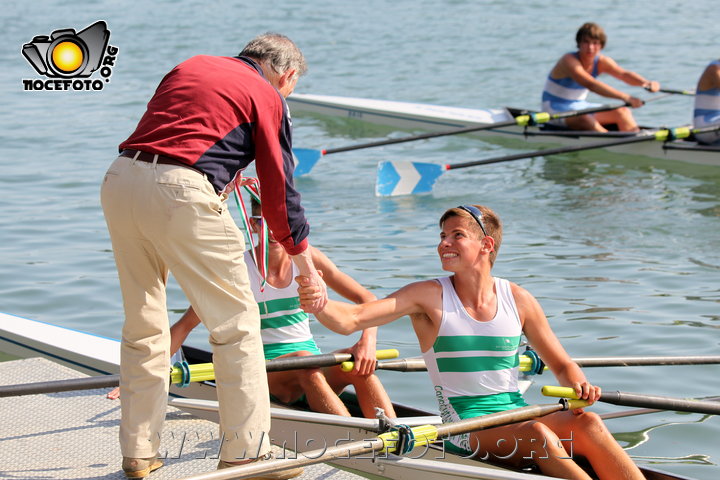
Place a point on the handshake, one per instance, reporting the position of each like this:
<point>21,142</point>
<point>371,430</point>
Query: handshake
<point>311,294</point>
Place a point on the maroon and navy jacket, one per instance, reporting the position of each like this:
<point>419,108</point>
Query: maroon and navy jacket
<point>218,114</point>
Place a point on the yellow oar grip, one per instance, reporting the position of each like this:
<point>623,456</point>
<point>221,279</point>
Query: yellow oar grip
<point>522,120</point>
<point>387,354</point>
<point>672,134</point>
<point>564,392</point>
<point>542,117</point>
<point>199,372</point>
<point>573,404</point>
<point>422,435</point>
<point>379,354</point>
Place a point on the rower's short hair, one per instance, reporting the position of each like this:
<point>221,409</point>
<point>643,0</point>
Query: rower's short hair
<point>277,51</point>
<point>591,31</point>
<point>490,220</point>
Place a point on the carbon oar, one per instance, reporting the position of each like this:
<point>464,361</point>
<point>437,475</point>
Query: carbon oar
<point>392,442</point>
<point>306,158</point>
<point>55,386</point>
<point>646,361</point>
<point>182,375</point>
<point>642,400</point>
<point>674,92</point>
<point>643,411</point>
<point>322,360</point>
<point>400,177</point>
<point>417,364</point>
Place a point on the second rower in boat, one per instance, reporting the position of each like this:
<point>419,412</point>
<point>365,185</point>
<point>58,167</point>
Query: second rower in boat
<point>285,330</point>
<point>707,103</point>
<point>469,327</point>
<point>575,74</point>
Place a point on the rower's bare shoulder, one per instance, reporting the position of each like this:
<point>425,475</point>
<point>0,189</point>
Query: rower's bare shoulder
<point>421,287</point>
<point>419,296</point>
<point>523,298</point>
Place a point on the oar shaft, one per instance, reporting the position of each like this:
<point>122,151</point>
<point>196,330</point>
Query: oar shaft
<point>85,383</point>
<point>659,135</point>
<point>423,136</point>
<point>641,400</point>
<point>551,151</point>
<point>322,360</point>
<point>521,120</point>
<point>666,403</point>
<point>645,361</point>
<point>674,91</point>
<point>500,418</point>
<point>198,373</point>
<point>423,435</point>
<point>302,460</point>
<point>311,361</point>
<point>400,365</point>
<point>417,364</point>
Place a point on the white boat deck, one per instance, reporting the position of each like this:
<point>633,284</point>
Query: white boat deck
<point>74,435</point>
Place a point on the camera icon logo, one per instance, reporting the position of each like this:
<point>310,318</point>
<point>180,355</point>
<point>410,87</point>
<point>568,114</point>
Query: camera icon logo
<point>66,53</point>
<point>67,58</point>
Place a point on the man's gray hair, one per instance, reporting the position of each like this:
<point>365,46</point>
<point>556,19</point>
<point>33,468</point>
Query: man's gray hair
<point>277,51</point>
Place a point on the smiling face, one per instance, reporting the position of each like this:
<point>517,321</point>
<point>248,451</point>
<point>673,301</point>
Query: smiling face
<point>461,244</point>
<point>461,225</point>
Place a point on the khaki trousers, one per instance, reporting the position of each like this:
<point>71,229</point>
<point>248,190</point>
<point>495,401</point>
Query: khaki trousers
<point>168,218</point>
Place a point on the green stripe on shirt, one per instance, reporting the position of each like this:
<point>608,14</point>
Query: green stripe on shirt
<point>279,305</point>
<point>462,343</point>
<point>476,364</point>
<point>283,320</point>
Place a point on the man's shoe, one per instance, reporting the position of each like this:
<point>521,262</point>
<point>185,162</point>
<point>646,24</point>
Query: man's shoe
<point>280,475</point>
<point>140,467</point>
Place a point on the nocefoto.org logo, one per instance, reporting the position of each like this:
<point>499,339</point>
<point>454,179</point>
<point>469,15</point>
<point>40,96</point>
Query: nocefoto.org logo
<point>68,58</point>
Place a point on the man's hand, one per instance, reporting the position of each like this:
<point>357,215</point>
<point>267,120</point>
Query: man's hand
<point>311,277</point>
<point>313,296</point>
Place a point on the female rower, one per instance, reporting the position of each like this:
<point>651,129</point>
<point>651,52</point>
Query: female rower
<point>469,326</point>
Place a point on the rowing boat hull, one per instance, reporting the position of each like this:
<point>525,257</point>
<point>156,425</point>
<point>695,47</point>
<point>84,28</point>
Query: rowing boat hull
<point>413,116</point>
<point>297,430</point>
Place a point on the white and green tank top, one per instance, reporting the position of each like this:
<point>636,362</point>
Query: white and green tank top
<point>285,327</point>
<point>473,364</point>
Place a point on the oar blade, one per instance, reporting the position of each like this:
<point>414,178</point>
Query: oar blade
<point>402,177</point>
<point>305,160</point>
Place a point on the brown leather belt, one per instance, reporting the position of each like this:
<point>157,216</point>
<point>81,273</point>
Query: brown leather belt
<point>149,158</point>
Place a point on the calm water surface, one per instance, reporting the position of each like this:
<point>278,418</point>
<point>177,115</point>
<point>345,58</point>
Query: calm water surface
<point>622,252</point>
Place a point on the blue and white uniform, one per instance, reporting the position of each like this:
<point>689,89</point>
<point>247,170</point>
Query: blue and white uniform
<point>474,365</point>
<point>565,94</point>
<point>707,112</point>
<point>284,326</point>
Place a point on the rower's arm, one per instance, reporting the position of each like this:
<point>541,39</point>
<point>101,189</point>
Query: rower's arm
<point>364,351</point>
<point>610,66</point>
<point>581,76</point>
<point>542,338</point>
<point>346,318</point>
